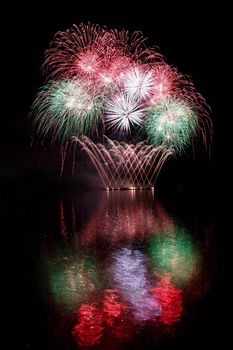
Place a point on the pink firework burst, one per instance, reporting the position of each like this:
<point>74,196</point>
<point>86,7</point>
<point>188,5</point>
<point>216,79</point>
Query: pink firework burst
<point>123,111</point>
<point>169,82</point>
<point>88,63</point>
<point>75,51</point>
<point>134,46</point>
<point>165,82</point>
<point>114,70</point>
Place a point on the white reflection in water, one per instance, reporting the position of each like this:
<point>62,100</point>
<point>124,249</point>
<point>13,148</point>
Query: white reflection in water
<point>130,278</point>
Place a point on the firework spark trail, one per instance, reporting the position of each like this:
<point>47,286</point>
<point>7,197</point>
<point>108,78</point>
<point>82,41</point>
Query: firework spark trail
<point>131,161</point>
<point>125,152</point>
<point>63,156</point>
<point>129,158</point>
<point>147,160</point>
<point>96,157</point>
<point>121,164</point>
<point>130,276</point>
<point>134,46</point>
<point>121,152</point>
<point>115,176</point>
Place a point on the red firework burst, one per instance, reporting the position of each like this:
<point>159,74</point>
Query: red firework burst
<point>75,50</point>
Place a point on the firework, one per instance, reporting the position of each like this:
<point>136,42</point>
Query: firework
<point>139,83</point>
<point>88,51</point>
<point>121,165</point>
<point>110,82</point>
<point>112,72</point>
<point>172,124</point>
<point>134,46</point>
<point>64,109</point>
<point>123,111</point>
<point>168,82</point>
<point>77,50</point>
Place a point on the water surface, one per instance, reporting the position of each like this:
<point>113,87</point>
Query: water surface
<point>116,270</point>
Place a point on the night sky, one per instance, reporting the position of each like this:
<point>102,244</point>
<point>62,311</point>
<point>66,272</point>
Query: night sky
<point>192,38</point>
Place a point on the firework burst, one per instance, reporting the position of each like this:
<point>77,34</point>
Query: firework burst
<point>166,82</point>
<point>123,111</point>
<point>77,50</point>
<point>172,124</point>
<point>64,109</point>
<point>134,46</point>
<point>139,83</point>
<point>112,73</point>
<point>88,63</point>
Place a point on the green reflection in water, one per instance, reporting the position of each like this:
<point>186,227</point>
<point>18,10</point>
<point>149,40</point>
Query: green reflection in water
<point>174,253</point>
<point>72,279</point>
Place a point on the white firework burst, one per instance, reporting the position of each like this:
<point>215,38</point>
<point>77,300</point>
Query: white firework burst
<point>140,83</point>
<point>123,111</point>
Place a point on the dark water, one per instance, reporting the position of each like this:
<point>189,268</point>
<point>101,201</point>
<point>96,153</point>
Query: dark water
<point>112,270</point>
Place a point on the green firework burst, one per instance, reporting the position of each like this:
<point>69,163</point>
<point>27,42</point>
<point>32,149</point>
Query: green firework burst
<point>171,123</point>
<point>66,108</point>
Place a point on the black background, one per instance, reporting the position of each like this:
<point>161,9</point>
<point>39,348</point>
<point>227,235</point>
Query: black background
<point>193,38</point>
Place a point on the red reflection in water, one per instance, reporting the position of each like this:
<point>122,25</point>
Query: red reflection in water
<point>111,316</point>
<point>116,316</point>
<point>170,300</point>
<point>126,216</point>
<point>63,227</point>
<point>111,307</point>
<point>123,328</point>
<point>89,328</point>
